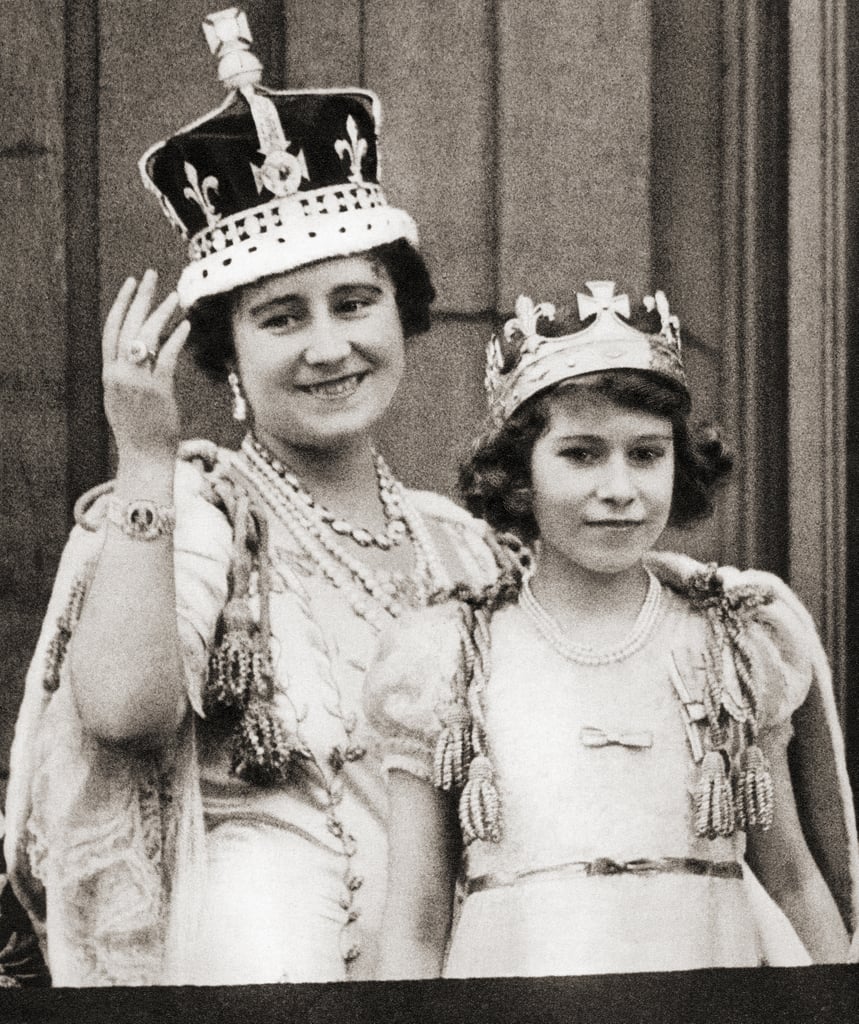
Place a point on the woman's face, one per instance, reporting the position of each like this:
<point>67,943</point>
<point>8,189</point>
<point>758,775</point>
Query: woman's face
<point>602,478</point>
<point>320,351</point>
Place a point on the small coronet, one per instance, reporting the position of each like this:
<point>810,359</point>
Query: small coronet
<point>606,341</point>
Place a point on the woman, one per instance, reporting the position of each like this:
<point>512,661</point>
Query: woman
<point>196,796</point>
<point>613,728</point>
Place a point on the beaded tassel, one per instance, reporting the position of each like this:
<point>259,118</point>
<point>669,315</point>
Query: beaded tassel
<point>714,803</point>
<point>239,663</point>
<point>461,753</point>
<point>754,790</point>
<point>262,753</point>
<point>241,675</point>
<point>718,808</point>
<point>479,805</point>
<point>453,749</point>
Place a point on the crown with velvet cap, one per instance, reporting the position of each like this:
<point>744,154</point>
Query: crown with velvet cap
<point>270,180</point>
<point>524,363</point>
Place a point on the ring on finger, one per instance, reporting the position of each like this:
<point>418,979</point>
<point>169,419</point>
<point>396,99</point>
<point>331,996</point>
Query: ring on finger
<point>139,354</point>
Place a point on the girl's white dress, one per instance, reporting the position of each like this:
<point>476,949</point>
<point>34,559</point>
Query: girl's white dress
<point>144,870</point>
<point>590,762</point>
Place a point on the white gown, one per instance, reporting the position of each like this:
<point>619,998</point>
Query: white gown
<point>175,870</point>
<point>563,801</point>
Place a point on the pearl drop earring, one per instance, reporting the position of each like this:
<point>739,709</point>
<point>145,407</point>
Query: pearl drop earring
<point>240,405</point>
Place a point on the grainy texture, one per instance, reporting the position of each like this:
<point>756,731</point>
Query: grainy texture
<point>323,44</point>
<point>574,123</point>
<point>33,384</point>
<point>537,145</point>
<point>431,65</point>
<point>440,405</point>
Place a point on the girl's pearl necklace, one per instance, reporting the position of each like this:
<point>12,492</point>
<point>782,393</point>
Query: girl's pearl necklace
<point>371,598</point>
<point>584,654</point>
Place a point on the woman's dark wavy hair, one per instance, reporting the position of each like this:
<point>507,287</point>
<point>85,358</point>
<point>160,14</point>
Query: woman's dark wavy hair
<point>211,339</point>
<point>495,481</point>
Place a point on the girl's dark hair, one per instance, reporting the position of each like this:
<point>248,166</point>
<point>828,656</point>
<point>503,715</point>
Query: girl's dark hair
<point>495,481</point>
<point>211,339</point>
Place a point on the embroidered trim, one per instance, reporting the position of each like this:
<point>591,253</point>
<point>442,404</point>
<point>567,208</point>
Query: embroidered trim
<point>735,788</point>
<point>59,646</point>
<point>462,759</point>
<point>284,212</point>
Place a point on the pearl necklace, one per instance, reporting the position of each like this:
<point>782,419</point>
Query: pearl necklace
<point>371,597</point>
<point>584,654</point>
<point>390,495</point>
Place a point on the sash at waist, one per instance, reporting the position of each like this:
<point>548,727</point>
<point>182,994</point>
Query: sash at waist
<point>607,866</point>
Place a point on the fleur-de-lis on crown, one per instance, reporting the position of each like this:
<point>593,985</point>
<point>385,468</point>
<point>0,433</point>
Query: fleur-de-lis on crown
<point>670,321</point>
<point>355,149</point>
<point>200,192</point>
<point>525,322</point>
<point>601,300</point>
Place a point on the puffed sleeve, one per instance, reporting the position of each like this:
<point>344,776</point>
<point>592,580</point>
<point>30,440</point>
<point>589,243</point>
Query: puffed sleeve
<point>202,549</point>
<point>784,647</point>
<point>798,706</point>
<point>410,678</point>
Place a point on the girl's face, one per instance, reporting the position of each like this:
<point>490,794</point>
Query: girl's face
<point>320,351</point>
<point>602,478</point>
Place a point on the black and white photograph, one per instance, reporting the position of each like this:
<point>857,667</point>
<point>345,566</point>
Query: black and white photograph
<point>430,455</point>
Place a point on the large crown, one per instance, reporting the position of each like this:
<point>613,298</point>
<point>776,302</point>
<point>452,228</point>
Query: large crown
<point>526,363</point>
<point>270,180</point>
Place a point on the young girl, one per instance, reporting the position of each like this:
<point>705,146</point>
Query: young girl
<point>612,729</point>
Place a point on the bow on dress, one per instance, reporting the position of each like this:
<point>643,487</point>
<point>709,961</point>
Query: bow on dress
<point>591,736</point>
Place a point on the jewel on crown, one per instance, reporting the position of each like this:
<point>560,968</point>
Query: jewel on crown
<point>526,362</point>
<point>229,37</point>
<point>271,179</point>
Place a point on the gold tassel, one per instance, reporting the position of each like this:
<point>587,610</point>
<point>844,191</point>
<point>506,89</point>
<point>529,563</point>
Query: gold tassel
<point>262,753</point>
<point>453,748</point>
<point>754,796</point>
<point>238,663</point>
<point>479,805</point>
<point>714,804</point>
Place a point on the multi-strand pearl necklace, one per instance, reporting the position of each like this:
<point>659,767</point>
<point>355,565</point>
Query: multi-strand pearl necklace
<point>584,654</point>
<point>371,597</point>
<point>390,495</point>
